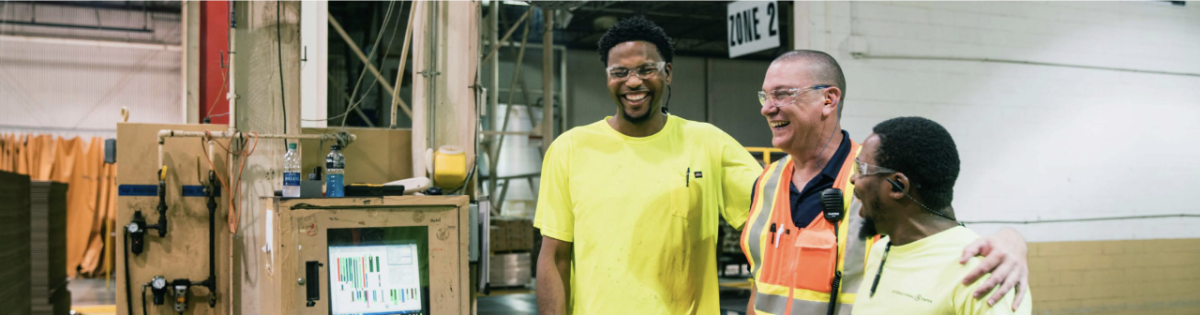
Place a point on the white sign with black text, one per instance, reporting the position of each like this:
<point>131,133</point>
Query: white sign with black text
<point>753,26</point>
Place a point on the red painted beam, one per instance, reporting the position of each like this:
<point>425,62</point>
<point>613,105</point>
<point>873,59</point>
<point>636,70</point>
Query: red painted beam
<point>214,61</point>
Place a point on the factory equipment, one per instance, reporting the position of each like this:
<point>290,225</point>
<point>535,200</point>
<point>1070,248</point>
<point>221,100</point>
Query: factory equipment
<point>392,255</point>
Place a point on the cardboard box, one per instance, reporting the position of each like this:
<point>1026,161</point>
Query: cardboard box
<point>511,234</point>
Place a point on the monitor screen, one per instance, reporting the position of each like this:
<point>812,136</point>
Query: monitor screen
<point>375,275</point>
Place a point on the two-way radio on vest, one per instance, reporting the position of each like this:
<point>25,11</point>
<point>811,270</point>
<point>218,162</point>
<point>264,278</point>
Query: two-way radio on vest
<point>832,200</point>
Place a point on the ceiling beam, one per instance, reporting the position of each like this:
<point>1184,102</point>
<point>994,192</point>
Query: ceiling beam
<point>155,7</point>
<point>664,14</point>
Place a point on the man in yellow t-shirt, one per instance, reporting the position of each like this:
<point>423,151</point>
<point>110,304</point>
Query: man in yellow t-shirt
<point>905,178</point>
<point>629,205</point>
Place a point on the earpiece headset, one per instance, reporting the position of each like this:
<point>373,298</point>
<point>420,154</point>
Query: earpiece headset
<point>668,102</point>
<point>898,187</point>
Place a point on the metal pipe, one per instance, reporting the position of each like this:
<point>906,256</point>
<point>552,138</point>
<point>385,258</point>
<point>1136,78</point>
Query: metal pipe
<point>430,73</point>
<point>495,91</point>
<point>508,108</point>
<point>531,45</point>
<point>79,27</point>
<point>506,34</point>
<point>211,281</point>
<point>547,79</point>
<point>89,42</point>
<point>412,11</point>
<point>506,133</point>
<point>366,61</point>
<point>211,153</point>
<point>562,85</point>
<point>859,55</point>
<point>167,133</point>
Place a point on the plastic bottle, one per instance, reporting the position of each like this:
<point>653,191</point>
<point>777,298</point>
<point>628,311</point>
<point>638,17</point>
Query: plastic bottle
<point>291,172</point>
<point>335,165</point>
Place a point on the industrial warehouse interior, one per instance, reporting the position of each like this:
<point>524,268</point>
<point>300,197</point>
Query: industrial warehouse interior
<point>599,157</point>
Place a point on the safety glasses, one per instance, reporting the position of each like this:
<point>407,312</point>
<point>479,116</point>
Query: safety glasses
<point>864,169</point>
<point>646,71</point>
<point>783,97</point>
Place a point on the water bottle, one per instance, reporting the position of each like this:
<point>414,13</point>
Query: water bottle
<point>291,172</point>
<point>335,165</point>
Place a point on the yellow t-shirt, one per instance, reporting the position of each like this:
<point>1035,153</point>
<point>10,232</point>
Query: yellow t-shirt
<point>924,277</point>
<point>642,214</point>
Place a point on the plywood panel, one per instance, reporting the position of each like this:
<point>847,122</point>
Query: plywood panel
<point>376,156</point>
<point>299,236</point>
<point>183,253</point>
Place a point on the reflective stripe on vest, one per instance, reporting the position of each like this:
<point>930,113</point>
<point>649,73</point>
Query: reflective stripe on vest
<point>778,294</point>
<point>777,305</point>
<point>759,219</point>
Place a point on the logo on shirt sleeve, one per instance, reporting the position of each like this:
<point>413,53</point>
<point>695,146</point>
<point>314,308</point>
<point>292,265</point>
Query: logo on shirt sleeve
<point>699,175</point>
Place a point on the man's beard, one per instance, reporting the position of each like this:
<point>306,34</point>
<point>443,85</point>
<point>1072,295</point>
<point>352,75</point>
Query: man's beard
<point>868,230</point>
<point>637,119</point>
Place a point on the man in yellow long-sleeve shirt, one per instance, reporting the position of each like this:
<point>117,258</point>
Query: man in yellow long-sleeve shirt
<point>905,178</point>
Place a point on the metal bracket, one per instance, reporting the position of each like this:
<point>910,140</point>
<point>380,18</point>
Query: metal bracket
<point>429,73</point>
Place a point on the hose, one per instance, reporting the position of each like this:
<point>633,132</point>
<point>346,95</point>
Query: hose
<point>144,312</point>
<point>128,291</point>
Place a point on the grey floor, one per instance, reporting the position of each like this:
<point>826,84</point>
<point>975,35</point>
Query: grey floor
<point>524,302</point>
<point>85,292</point>
<point>512,301</point>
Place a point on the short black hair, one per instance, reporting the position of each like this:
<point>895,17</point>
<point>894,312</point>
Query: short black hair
<point>636,28</point>
<point>830,72</point>
<point>924,151</point>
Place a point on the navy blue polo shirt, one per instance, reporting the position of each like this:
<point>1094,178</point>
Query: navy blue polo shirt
<point>806,201</point>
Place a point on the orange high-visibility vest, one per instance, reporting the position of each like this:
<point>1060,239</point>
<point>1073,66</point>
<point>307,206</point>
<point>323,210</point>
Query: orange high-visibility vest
<point>794,268</point>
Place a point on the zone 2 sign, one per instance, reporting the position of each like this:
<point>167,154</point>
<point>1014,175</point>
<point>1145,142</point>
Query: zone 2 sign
<point>753,26</point>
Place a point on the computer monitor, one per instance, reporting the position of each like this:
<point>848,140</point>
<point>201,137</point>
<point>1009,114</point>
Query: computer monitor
<point>380,277</point>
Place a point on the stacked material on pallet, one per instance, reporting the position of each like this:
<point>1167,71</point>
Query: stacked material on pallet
<point>510,270</point>
<point>511,234</point>
<point>48,229</point>
<point>14,244</point>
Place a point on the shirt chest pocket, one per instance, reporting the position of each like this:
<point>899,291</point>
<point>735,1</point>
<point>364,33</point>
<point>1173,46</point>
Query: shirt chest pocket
<point>689,202</point>
<point>813,254</point>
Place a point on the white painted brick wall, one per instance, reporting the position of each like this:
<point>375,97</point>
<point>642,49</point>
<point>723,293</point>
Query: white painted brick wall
<point>1037,142</point>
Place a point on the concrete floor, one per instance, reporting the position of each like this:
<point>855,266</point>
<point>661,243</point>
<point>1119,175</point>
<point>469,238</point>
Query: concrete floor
<point>86,292</point>
<point>735,295</point>
<point>92,297</point>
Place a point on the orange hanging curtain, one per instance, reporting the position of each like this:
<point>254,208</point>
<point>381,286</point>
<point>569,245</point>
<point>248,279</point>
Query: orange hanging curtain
<point>91,194</point>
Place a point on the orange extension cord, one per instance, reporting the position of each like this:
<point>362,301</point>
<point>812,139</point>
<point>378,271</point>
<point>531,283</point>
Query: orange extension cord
<point>234,213</point>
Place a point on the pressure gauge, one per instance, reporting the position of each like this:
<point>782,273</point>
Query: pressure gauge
<point>158,286</point>
<point>132,227</point>
<point>158,283</point>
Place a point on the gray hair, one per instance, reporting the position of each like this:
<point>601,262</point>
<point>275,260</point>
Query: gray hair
<point>827,69</point>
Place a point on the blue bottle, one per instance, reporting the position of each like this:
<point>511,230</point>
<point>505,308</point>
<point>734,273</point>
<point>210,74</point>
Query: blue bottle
<point>335,165</point>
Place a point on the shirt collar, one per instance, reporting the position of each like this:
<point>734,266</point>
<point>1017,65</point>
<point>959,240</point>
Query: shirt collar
<point>834,166</point>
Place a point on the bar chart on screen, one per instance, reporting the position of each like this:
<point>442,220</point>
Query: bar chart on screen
<point>375,280</point>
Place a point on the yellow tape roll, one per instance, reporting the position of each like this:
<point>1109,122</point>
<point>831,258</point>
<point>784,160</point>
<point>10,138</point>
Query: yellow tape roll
<point>449,167</point>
